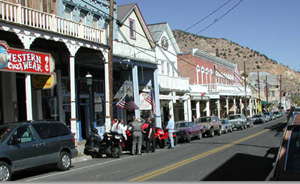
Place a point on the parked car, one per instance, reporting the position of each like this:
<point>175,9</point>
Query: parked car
<point>226,126</point>
<point>287,164</point>
<point>277,114</point>
<point>249,122</point>
<point>211,124</point>
<point>186,130</point>
<point>268,116</point>
<point>238,121</point>
<point>26,145</point>
<point>259,118</point>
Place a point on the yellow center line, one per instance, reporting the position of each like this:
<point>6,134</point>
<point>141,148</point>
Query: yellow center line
<point>192,159</point>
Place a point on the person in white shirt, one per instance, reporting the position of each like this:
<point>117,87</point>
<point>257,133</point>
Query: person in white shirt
<point>119,127</point>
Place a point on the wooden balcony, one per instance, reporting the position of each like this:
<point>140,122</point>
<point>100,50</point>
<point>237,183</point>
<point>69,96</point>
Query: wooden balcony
<point>24,16</point>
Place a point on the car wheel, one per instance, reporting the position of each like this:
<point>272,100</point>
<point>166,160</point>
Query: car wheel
<point>175,141</point>
<point>188,138</point>
<point>219,131</point>
<point>64,161</point>
<point>211,132</point>
<point>5,172</point>
<point>242,127</point>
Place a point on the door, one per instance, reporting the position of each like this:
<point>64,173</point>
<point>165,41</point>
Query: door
<point>85,116</point>
<point>26,153</point>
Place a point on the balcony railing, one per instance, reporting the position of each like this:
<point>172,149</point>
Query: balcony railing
<point>173,83</point>
<point>16,13</point>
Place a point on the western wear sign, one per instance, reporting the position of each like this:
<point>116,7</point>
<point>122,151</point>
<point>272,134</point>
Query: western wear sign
<point>25,61</point>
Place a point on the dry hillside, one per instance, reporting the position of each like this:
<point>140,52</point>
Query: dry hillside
<point>237,54</point>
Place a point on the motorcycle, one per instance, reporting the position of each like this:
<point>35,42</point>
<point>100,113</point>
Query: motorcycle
<point>110,145</point>
<point>162,137</point>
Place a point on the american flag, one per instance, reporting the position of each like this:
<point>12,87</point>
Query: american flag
<point>127,103</point>
<point>150,99</point>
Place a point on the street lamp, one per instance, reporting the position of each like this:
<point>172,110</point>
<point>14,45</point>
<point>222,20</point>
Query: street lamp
<point>89,83</point>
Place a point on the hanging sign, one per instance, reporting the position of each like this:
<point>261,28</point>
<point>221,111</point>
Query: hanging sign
<point>25,61</point>
<point>44,81</point>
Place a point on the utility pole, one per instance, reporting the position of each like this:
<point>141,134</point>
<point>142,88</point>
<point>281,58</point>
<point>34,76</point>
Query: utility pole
<point>258,86</point>
<point>245,76</point>
<point>111,26</point>
<point>267,88</point>
<point>280,92</point>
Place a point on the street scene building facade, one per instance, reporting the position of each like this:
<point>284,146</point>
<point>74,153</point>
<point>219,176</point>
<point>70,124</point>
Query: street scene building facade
<point>74,37</point>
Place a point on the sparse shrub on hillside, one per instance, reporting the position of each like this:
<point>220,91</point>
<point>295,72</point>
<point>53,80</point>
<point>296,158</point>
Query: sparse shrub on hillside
<point>257,66</point>
<point>236,49</point>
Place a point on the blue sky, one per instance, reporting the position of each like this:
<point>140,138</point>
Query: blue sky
<point>271,27</point>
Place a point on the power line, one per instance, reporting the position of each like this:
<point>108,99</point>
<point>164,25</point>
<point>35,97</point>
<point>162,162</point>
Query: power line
<point>208,15</point>
<point>217,19</point>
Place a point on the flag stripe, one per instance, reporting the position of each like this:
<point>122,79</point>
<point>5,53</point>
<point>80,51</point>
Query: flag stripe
<point>150,99</point>
<point>127,103</point>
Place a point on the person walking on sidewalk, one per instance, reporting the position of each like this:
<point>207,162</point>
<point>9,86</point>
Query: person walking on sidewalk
<point>171,128</point>
<point>150,138</point>
<point>137,137</point>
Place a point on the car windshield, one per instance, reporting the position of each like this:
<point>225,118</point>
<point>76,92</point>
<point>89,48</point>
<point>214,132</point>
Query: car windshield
<point>233,117</point>
<point>224,121</point>
<point>178,125</point>
<point>204,119</point>
<point>293,159</point>
<point>4,132</point>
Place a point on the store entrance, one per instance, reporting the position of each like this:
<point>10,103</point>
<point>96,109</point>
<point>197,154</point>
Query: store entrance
<point>85,115</point>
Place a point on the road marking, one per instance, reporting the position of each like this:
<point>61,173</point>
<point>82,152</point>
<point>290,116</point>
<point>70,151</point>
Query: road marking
<point>192,159</point>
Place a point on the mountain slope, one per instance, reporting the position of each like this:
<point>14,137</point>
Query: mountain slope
<point>237,54</point>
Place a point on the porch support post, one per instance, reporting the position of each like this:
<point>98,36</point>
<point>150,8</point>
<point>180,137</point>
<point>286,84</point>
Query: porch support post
<point>234,104</point>
<point>28,92</point>
<point>241,109</point>
<point>219,109</point>
<point>250,107</point>
<point>207,108</point>
<point>136,92</point>
<point>73,48</point>
<point>227,107</point>
<point>185,109</point>
<point>27,40</point>
<point>107,93</point>
<point>198,114</point>
<point>189,106</point>
<point>157,101</point>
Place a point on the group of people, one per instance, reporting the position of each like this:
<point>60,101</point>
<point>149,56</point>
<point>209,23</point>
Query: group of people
<point>143,130</point>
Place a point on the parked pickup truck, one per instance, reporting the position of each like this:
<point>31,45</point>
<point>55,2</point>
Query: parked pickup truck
<point>238,121</point>
<point>211,124</point>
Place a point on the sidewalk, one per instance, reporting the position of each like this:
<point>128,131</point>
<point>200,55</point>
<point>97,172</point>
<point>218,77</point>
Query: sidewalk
<point>81,156</point>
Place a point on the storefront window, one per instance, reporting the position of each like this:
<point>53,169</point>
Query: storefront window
<point>50,104</point>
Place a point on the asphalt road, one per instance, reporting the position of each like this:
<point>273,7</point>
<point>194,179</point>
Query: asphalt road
<point>243,155</point>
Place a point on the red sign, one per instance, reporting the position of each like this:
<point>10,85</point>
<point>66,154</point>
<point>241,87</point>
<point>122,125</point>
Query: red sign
<point>18,60</point>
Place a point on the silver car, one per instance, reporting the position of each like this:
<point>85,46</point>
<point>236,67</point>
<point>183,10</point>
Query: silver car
<point>226,126</point>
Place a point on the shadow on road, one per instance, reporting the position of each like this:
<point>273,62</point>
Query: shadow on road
<point>243,167</point>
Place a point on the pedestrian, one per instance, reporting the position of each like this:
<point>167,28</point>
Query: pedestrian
<point>119,127</point>
<point>115,120</point>
<point>171,128</point>
<point>137,137</point>
<point>194,118</point>
<point>150,138</point>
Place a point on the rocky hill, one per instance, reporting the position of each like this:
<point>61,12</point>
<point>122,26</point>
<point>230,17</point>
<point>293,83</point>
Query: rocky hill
<point>237,54</point>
